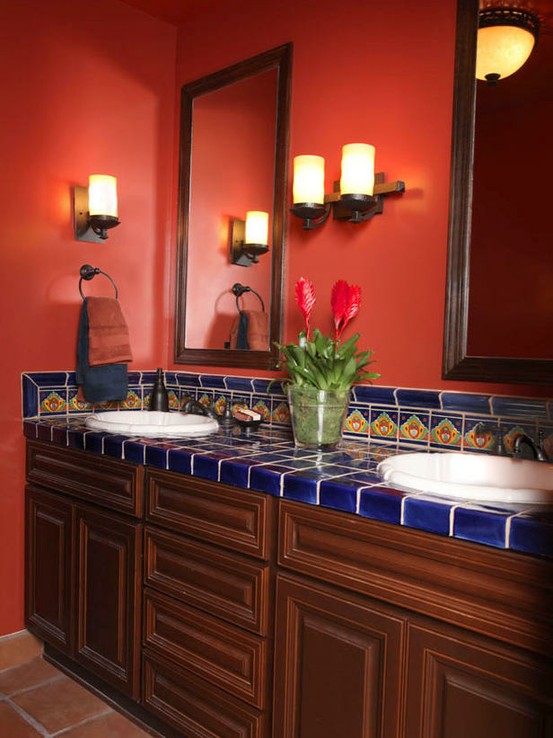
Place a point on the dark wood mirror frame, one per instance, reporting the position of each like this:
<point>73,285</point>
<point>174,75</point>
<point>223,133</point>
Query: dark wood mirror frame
<point>456,363</point>
<point>280,59</point>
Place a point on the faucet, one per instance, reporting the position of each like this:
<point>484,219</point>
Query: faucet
<point>190,405</point>
<point>536,448</point>
<point>496,431</point>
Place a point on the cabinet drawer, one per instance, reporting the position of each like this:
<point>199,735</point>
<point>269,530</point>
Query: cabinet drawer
<point>216,513</point>
<point>111,483</point>
<point>194,707</point>
<point>232,587</point>
<point>225,656</point>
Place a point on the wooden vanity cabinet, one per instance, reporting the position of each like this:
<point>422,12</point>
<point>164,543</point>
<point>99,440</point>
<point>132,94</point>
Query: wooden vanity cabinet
<point>83,573</point>
<point>208,599</point>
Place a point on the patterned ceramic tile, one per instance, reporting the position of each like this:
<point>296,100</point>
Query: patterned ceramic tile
<point>357,420</point>
<point>280,413</point>
<point>52,401</point>
<point>414,427</point>
<point>446,430</point>
<point>384,423</point>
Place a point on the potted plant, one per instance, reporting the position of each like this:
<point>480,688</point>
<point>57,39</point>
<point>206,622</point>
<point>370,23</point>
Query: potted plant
<point>322,369</point>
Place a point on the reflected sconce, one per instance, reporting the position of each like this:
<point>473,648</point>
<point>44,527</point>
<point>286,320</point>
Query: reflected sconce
<point>356,197</point>
<point>506,38</point>
<point>95,208</point>
<point>249,239</point>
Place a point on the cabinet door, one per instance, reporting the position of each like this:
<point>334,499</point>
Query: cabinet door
<point>337,664</point>
<point>108,601</point>
<point>461,685</point>
<point>48,566</point>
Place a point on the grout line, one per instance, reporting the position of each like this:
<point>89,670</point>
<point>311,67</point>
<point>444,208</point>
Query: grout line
<point>91,719</point>
<point>51,680</point>
<point>41,730</point>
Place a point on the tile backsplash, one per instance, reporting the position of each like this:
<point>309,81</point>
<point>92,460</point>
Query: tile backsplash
<point>417,417</point>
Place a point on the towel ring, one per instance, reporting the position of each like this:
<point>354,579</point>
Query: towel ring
<point>89,272</point>
<point>239,289</point>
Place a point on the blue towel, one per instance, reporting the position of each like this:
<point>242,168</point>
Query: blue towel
<point>242,341</point>
<point>99,383</point>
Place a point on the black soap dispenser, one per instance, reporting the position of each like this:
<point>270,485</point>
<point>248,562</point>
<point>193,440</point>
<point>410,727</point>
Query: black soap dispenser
<point>160,397</point>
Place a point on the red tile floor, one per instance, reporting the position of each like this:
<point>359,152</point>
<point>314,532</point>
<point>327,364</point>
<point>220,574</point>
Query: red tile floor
<point>38,700</point>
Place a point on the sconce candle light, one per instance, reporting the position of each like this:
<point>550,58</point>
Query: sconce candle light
<point>356,198</point>
<point>250,238</point>
<point>506,38</point>
<point>95,208</point>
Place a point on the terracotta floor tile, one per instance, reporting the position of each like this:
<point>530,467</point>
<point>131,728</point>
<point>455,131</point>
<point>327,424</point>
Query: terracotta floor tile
<point>60,704</point>
<point>26,675</point>
<point>17,648</point>
<point>112,726</point>
<point>12,725</point>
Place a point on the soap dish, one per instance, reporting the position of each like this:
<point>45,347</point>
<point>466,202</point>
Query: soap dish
<point>248,424</point>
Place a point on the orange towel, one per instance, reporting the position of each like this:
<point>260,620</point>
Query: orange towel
<point>258,330</point>
<point>108,334</point>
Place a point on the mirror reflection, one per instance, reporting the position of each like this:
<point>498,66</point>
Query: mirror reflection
<point>234,139</point>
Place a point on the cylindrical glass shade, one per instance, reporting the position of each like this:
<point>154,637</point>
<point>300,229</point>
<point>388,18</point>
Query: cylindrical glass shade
<point>357,169</point>
<point>309,179</point>
<point>102,195</point>
<point>502,50</point>
<point>257,227</point>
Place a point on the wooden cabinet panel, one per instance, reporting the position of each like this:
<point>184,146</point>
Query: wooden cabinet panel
<point>48,576</point>
<point>110,483</point>
<point>108,598</point>
<point>337,664</point>
<point>215,513</point>
<point>460,685</point>
<point>194,707</point>
<point>227,657</point>
<point>231,587</point>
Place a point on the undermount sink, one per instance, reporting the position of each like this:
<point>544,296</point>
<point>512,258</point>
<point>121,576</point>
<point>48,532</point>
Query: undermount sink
<point>152,423</point>
<point>471,476</point>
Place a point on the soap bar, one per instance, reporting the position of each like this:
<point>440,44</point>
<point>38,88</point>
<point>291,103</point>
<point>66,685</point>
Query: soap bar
<point>246,415</point>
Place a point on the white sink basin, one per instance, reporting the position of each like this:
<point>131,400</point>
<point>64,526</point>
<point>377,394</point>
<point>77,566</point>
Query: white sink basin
<point>471,476</point>
<point>152,424</point>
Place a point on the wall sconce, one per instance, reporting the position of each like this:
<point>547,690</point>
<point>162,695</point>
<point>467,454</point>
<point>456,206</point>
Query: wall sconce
<point>506,37</point>
<point>250,238</point>
<point>95,208</point>
<point>356,197</point>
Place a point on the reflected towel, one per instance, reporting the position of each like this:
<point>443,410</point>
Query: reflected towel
<point>108,334</point>
<point>258,330</point>
<point>239,332</point>
<point>98,383</point>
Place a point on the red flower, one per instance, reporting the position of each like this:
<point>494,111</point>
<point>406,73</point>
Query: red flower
<point>346,301</point>
<point>305,297</point>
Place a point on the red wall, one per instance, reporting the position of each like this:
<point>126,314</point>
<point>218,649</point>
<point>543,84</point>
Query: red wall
<point>86,87</point>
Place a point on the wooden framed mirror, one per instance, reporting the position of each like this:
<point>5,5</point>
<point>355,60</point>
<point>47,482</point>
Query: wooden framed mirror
<point>499,338</point>
<point>233,159</point>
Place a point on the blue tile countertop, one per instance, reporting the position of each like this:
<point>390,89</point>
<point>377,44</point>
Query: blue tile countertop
<point>346,480</point>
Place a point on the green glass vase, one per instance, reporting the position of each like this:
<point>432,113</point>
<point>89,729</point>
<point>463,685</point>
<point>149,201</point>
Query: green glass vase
<point>317,416</point>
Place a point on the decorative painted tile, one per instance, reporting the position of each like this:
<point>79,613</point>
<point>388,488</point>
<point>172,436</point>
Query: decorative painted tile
<point>132,402</point>
<point>512,432</point>
<point>413,427</point>
<point>383,423</point>
<point>205,399</point>
<point>173,400</point>
<point>480,434</point>
<point>357,421</point>
<point>261,405</point>
<point>446,430</point>
<point>53,402</point>
<point>281,413</point>
<point>74,405</point>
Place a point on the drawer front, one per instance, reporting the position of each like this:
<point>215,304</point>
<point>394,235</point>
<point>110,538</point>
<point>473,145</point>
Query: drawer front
<point>215,513</point>
<point>193,707</point>
<point>227,657</point>
<point>111,483</point>
<point>231,587</point>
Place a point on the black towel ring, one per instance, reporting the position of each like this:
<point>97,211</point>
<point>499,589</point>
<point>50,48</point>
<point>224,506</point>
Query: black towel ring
<point>89,272</point>
<point>239,289</point>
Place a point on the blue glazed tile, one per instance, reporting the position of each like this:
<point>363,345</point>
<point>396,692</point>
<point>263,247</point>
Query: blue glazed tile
<point>212,381</point>
<point>267,387</point>
<point>426,515</point>
<point>339,495</point>
<point>267,478</point>
<point>206,467</point>
<point>466,403</point>
<point>71,379</point>
<point>381,503</point>
<point>59,435</point>
<point>185,379</point>
<point>134,378</point>
<point>480,526</point>
<point>519,407</point>
<point>93,441</point>
<point>156,456</point>
<point>364,478</point>
<point>49,379</point>
<point>75,438</point>
<point>30,430</point>
<point>236,472</point>
<point>418,398</point>
<point>113,445</point>
<point>368,394</point>
<point>44,432</point>
<point>242,384</point>
<point>180,460</point>
<point>30,397</point>
<point>296,486</point>
<point>532,534</point>
<point>134,451</point>
<point>147,378</point>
